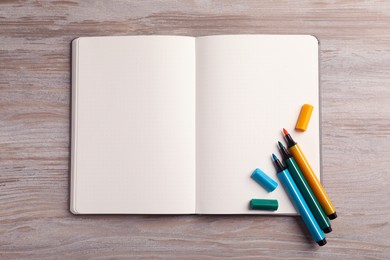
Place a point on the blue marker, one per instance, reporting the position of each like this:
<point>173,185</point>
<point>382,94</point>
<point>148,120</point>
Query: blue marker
<point>300,204</point>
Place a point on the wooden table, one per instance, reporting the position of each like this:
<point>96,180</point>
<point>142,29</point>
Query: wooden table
<point>35,221</point>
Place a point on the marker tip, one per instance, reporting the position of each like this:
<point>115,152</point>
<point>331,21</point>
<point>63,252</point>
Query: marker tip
<point>285,132</point>
<point>274,157</point>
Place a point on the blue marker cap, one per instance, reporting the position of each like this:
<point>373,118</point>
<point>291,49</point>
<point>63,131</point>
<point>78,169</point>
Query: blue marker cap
<point>264,180</point>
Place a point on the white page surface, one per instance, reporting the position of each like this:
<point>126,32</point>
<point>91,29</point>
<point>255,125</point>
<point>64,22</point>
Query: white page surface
<point>133,139</point>
<point>248,88</point>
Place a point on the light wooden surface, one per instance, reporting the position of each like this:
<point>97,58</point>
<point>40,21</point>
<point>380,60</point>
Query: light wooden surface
<point>35,222</point>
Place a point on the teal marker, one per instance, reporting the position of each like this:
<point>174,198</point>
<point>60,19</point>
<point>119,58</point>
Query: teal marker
<point>298,201</point>
<point>305,190</point>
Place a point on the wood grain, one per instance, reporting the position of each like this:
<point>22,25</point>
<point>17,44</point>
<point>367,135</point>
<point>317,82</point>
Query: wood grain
<point>35,222</point>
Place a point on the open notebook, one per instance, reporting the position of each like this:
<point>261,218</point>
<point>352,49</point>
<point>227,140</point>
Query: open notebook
<point>176,124</point>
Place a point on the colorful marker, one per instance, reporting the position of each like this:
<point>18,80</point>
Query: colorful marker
<point>310,176</point>
<point>300,204</point>
<point>305,190</point>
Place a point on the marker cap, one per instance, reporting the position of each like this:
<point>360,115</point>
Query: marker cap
<point>264,204</point>
<point>264,180</point>
<point>304,117</point>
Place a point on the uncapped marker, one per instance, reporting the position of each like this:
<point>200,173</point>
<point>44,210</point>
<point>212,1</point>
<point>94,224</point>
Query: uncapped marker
<point>305,189</point>
<point>298,201</point>
<point>310,176</point>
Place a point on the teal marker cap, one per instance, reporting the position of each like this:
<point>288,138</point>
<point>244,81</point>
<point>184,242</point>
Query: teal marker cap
<point>264,180</point>
<point>264,204</point>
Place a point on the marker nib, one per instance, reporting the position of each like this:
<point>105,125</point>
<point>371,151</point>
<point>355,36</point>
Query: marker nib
<point>274,157</point>
<point>280,145</point>
<point>285,132</point>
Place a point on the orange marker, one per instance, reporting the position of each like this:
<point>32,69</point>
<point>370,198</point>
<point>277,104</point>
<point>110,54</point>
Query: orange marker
<point>310,176</point>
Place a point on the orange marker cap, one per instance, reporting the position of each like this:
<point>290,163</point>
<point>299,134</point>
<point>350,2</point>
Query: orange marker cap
<point>304,117</point>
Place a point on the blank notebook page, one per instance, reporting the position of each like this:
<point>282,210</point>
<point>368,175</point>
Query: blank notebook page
<point>249,87</point>
<point>133,136</point>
